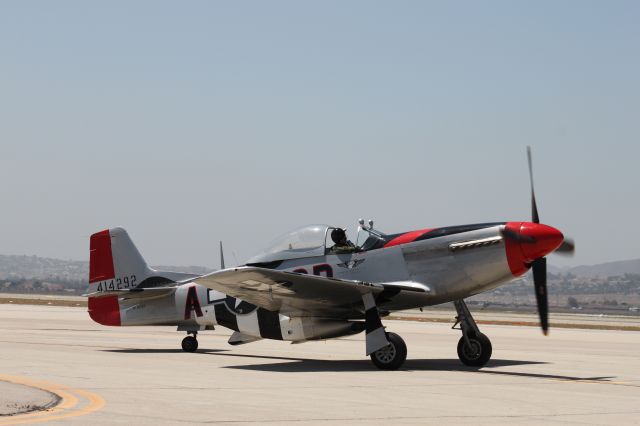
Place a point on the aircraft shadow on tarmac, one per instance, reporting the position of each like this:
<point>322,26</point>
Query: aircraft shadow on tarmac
<point>161,351</point>
<point>305,365</point>
<point>298,365</point>
<point>309,365</point>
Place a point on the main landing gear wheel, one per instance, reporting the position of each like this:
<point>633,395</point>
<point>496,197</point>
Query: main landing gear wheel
<point>189,344</point>
<point>476,352</point>
<point>474,348</point>
<point>390,357</point>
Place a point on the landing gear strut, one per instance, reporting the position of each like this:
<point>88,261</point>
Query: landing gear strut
<point>190,343</point>
<point>474,348</point>
<point>387,350</point>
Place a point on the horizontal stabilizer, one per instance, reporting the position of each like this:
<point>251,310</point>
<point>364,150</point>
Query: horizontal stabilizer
<point>134,292</point>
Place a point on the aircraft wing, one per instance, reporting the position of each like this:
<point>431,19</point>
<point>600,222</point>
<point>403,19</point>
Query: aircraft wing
<point>296,294</point>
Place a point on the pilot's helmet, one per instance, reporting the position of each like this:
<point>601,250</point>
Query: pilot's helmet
<point>338,235</point>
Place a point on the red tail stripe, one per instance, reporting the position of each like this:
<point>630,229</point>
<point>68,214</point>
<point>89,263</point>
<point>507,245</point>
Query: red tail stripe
<point>105,310</point>
<point>407,238</point>
<point>100,257</point>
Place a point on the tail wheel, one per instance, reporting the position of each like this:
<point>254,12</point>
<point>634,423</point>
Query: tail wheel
<point>390,357</point>
<point>189,344</point>
<point>477,352</point>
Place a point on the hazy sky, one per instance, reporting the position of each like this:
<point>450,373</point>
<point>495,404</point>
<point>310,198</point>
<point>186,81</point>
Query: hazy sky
<point>193,122</point>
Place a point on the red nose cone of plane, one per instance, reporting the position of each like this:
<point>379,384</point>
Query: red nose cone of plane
<point>529,241</point>
<point>539,240</point>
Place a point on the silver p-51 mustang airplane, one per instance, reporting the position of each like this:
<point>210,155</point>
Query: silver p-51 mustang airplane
<point>304,288</point>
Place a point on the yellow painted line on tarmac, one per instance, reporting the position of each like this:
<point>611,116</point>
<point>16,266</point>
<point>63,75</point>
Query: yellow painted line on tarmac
<point>73,402</point>
<point>67,402</point>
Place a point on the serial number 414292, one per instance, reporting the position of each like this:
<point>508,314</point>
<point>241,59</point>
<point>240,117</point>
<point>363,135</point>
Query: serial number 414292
<point>117,284</point>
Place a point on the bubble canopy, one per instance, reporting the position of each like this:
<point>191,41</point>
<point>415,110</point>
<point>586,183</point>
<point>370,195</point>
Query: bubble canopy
<point>308,241</point>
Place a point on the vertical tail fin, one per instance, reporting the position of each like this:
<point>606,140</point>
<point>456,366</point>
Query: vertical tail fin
<point>114,262</point>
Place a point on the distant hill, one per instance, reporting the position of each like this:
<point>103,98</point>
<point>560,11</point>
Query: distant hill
<point>42,268</point>
<point>609,269</point>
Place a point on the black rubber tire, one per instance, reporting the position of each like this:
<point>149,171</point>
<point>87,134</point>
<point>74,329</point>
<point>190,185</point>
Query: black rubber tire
<point>480,352</point>
<point>390,357</point>
<point>189,344</point>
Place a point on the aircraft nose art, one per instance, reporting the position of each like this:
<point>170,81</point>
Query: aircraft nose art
<point>532,241</point>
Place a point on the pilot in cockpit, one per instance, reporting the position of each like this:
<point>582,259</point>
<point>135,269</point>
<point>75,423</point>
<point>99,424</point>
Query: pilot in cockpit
<point>342,245</point>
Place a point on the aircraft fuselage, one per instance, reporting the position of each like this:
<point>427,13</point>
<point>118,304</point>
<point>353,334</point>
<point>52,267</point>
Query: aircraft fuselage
<point>451,263</point>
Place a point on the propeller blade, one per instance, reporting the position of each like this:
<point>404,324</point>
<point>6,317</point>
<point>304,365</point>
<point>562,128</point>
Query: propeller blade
<point>567,247</point>
<point>534,208</point>
<point>539,267</point>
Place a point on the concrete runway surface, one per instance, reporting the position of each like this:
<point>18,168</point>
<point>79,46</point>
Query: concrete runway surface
<point>139,375</point>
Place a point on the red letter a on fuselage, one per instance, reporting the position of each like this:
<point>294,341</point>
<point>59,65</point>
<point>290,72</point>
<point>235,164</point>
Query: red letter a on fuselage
<point>192,303</point>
